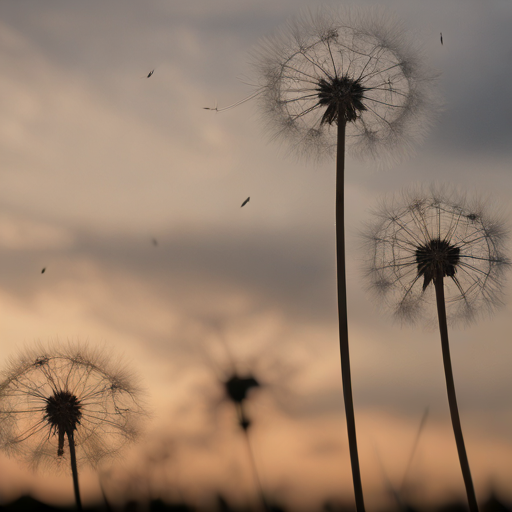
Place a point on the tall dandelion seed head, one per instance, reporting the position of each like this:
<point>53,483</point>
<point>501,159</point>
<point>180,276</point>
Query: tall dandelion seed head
<point>48,394</point>
<point>424,235</point>
<point>339,60</point>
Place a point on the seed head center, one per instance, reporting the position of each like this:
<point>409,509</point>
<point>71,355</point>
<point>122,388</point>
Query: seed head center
<point>436,256</point>
<point>340,93</point>
<point>63,413</point>
<point>238,387</point>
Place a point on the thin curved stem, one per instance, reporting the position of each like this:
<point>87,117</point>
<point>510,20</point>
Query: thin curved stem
<point>413,451</point>
<point>452,398</point>
<point>74,469</point>
<point>244,424</point>
<point>108,506</point>
<point>342,311</point>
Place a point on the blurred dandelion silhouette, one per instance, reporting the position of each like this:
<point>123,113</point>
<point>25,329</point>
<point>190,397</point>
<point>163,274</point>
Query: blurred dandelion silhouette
<point>335,78</point>
<point>438,248</point>
<point>243,374</point>
<point>237,387</point>
<point>245,383</point>
<point>61,402</point>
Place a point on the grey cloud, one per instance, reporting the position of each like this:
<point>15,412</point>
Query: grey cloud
<point>288,270</point>
<point>475,79</point>
<point>291,272</point>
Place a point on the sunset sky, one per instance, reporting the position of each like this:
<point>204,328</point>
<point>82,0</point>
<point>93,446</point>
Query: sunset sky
<point>98,162</point>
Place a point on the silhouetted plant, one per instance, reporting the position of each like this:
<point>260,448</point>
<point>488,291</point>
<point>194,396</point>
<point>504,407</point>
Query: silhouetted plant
<point>334,78</point>
<point>237,388</point>
<point>429,248</point>
<point>339,69</point>
<point>238,384</point>
<point>417,235</point>
<point>61,402</point>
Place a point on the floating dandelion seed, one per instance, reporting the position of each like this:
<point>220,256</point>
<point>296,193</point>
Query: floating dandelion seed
<point>437,250</point>
<point>212,108</point>
<point>66,401</point>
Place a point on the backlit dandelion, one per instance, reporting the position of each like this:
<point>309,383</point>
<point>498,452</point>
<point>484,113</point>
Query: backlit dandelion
<point>437,251</point>
<point>426,236</point>
<point>332,79</point>
<point>66,402</point>
<point>340,69</point>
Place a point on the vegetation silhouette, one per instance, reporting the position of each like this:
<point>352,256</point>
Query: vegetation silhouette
<point>29,504</point>
<point>238,387</point>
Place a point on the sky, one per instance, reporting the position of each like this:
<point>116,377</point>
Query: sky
<point>98,162</point>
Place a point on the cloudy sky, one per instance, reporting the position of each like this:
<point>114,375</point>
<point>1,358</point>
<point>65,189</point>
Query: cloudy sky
<point>98,162</point>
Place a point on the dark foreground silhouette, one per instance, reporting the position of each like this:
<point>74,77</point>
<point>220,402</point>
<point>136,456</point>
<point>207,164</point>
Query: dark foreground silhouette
<point>28,504</point>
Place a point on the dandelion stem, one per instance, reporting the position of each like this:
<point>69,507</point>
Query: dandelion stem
<point>450,388</point>
<point>245,427</point>
<point>342,310</point>
<point>74,470</point>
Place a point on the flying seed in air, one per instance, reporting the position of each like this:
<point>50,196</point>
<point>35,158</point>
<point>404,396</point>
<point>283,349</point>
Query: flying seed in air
<point>245,202</point>
<point>216,108</point>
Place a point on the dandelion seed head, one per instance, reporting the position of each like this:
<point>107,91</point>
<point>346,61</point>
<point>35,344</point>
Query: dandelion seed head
<point>237,388</point>
<point>339,61</point>
<point>422,235</point>
<point>66,391</point>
